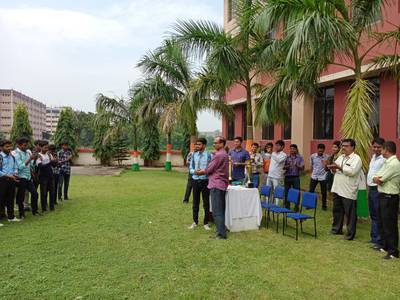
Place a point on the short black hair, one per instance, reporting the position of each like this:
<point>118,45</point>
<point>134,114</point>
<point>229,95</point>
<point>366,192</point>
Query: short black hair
<point>6,142</point>
<point>52,147</point>
<point>255,144</point>
<point>378,140</point>
<point>269,144</point>
<point>351,141</point>
<point>280,143</point>
<point>321,146</point>
<point>37,142</point>
<point>221,139</point>
<point>294,146</point>
<point>201,140</point>
<point>22,140</point>
<point>64,143</point>
<point>337,143</point>
<point>43,143</point>
<point>239,138</point>
<point>390,146</point>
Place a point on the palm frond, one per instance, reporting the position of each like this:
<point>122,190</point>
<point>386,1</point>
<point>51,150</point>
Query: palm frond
<point>356,123</point>
<point>365,13</point>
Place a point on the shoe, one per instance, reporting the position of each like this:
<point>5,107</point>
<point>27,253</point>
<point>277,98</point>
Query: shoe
<point>66,198</point>
<point>348,238</point>
<point>336,233</point>
<point>207,227</point>
<point>193,226</point>
<point>389,256</point>
<point>185,201</point>
<point>37,214</point>
<point>14,220</point>
<point>378,248</point>
<point>1,224</point>
<point>324,208</point>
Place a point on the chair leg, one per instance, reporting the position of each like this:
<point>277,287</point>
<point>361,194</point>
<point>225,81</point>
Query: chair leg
<point>284,224</point>
<point>297,230</point>
<point>277,223</point>
<point>268,218</point>
<point>315,228</point>
<point>301,226</point>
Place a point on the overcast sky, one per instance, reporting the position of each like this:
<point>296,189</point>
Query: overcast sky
<point>65,52</point>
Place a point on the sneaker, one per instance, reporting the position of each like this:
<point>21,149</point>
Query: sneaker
<point>389,256</point>
<point>14,220</point>
<point>207,227</point>
<point>193,226</point>
<point>378,248</point>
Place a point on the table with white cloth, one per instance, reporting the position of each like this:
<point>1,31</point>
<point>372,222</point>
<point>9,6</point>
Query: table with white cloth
<point>243,209</point>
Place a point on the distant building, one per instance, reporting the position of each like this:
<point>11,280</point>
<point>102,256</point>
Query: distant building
<point>52,117</point>
<point>36,110</point>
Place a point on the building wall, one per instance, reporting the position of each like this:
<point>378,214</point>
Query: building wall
<point>85,158</point>
<point>340,78</point>
<point>37,112</point>
<point>52,117</point>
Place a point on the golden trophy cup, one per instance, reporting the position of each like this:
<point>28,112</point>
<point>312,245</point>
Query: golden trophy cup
<point>249,167</point>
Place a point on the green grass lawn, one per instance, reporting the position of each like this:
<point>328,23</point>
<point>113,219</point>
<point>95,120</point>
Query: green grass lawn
<point>126,237</point>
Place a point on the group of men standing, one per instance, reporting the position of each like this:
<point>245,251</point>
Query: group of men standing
<point>23,171</point>
<point>339,173</point>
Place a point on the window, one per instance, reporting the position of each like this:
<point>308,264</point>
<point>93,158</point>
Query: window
<point>287,127</point>
<point>231,129</point>
<point>375,97</point>
<point>231,9</point>
<point>244,121</point>
<point>268,132</point>
<point>323,113</point>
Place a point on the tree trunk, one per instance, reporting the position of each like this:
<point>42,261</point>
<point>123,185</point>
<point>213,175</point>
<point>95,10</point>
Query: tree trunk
<point>168,165</point>
<point>135,166</point>
<point>249,117</point>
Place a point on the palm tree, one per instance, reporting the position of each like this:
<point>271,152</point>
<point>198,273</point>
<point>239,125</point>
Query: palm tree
<point>317,33</point>
<point>189,91</point>
<point>121,114</point>
<point>232,57</point>
<point>390,61</point>
<point>158,98</point>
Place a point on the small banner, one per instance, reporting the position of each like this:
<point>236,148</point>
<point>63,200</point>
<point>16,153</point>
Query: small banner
<point>362,200</point>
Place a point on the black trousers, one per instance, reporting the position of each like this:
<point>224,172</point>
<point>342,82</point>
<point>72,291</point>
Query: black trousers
<point>291,182</point>
<point>7,195</point>
<point>387,222</point>
<point>56,179</point>
<point>344,207</point>
<point>23,186</point>
<point>189,187</point>
<point>63,181</point>
<point>322,185</point>
<point>46,192</point>
<point>200,188</point>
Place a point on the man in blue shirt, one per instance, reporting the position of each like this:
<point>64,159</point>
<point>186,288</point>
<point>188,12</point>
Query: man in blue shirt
<point>25,159</point>
<point>200,161</point>
<point>8,180</point>
<point>239,158</point>
<point>294,165</point>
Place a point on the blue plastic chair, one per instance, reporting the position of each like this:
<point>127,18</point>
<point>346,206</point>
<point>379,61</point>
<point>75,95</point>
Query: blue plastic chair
<point>292,197</point>
<point>309,201</point>
<point>266,193</point>
<point>279,193</point>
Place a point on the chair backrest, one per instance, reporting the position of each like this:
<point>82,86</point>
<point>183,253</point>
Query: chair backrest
<point>309,200</point>
<point>255,181</point>
<point>265,190</point>
<point>279,192</point>
<point>293,196</point>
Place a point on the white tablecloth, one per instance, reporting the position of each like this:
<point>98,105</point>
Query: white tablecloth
<point>243,209</point>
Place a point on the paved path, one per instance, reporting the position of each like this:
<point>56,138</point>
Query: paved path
<point>96,170</point>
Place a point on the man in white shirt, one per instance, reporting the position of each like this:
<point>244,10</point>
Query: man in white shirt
<point>347,169</point>
<point>375,164</point>
<point>278,158</point>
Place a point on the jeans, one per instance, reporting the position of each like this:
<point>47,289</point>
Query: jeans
<point>200,188</point>
<point>63,181</point>
<point>218,208</point>
<point>344,207</point>
<point>7,194</point>
<point>387,222</point>
<point>373,205</point>
<point>23,186</point>
<point>291,182</point>
<point>323,186</point>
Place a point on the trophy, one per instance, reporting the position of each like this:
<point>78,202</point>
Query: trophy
<point>230,169</point>
<point>249,167</point>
